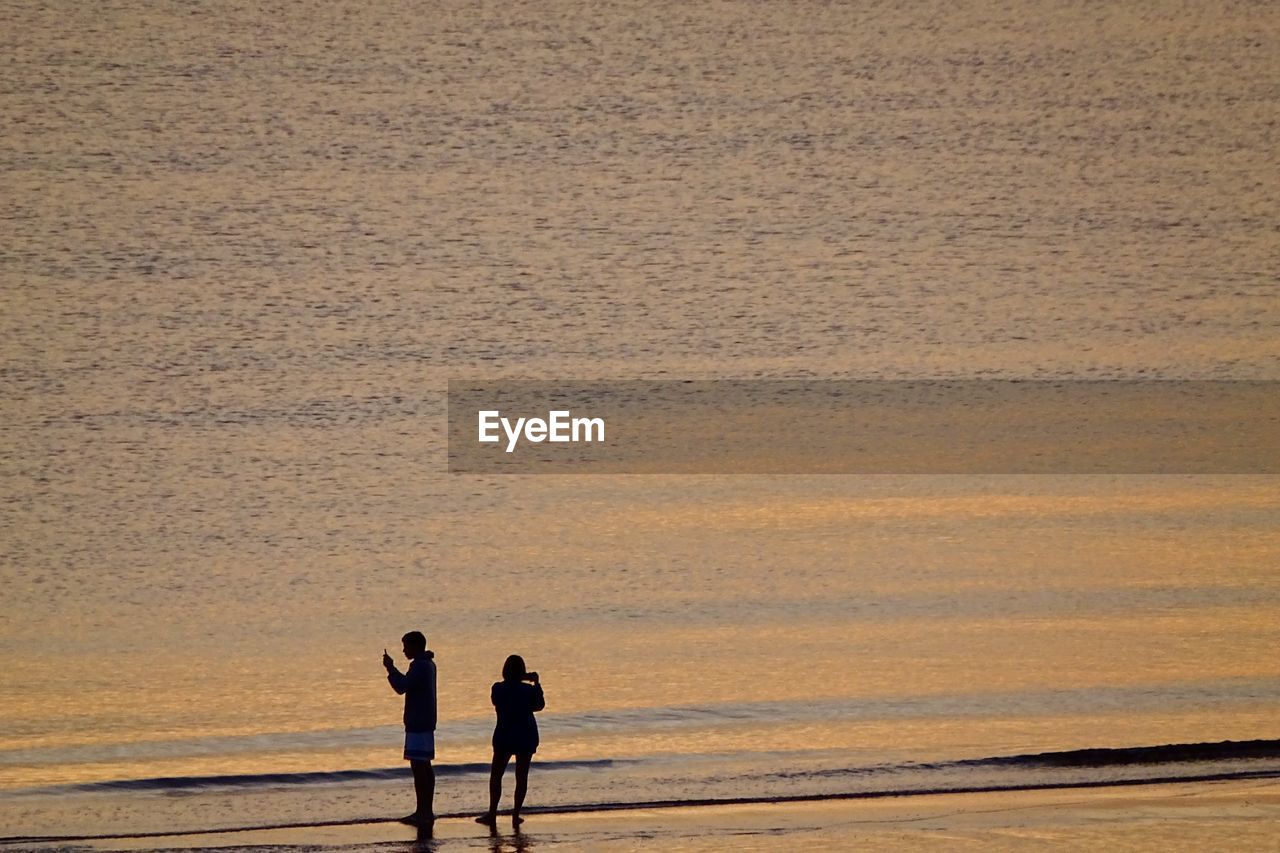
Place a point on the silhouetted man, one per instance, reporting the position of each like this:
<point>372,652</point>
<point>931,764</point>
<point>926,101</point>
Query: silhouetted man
<point>418,686</point>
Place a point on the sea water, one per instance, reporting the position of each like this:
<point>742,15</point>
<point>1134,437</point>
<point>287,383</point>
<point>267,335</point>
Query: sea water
<point>247,247</point>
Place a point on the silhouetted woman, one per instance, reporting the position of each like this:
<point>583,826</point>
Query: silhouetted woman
<point>516,733</point>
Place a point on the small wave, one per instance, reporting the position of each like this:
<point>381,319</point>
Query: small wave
<point>248,780</point>
<point>1094,757</point>
<point>1169,753</point>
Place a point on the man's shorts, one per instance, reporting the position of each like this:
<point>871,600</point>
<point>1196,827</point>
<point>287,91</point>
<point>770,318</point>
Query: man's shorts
<point>419,746</point>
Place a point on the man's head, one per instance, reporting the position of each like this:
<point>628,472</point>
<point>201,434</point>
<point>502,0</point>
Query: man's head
<point>414,644</point>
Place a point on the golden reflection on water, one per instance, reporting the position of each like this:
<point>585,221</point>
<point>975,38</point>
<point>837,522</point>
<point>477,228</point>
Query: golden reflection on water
<point>719,667</point>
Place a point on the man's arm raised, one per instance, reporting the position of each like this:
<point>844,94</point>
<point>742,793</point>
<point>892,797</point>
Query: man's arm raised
<point>398,680</point>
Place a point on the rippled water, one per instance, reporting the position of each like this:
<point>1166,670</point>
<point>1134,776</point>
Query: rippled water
<point>247,246</point>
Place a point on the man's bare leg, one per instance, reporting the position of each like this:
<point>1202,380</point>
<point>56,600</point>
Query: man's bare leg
<point>424,785</point>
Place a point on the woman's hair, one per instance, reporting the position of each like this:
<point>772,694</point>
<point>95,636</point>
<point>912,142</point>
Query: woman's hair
<point>513,669</point>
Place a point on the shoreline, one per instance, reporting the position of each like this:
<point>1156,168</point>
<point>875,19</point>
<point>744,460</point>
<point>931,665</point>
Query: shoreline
<point>627,812</point>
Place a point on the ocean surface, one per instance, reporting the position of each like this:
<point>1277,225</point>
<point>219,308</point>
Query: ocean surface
<point>246,246</point>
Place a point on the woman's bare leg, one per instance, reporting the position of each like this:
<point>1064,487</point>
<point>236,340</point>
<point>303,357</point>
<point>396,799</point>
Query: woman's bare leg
<point>495,787</point>
<point>522,785</point>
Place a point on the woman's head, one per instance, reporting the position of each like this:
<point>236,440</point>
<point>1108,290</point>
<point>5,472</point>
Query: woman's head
<point>513,669</point>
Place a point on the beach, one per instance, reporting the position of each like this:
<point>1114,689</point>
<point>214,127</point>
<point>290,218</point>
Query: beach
<point>1240,815</point>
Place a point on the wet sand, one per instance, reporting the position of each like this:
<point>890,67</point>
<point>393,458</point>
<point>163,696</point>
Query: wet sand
<point>1234,815</point>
